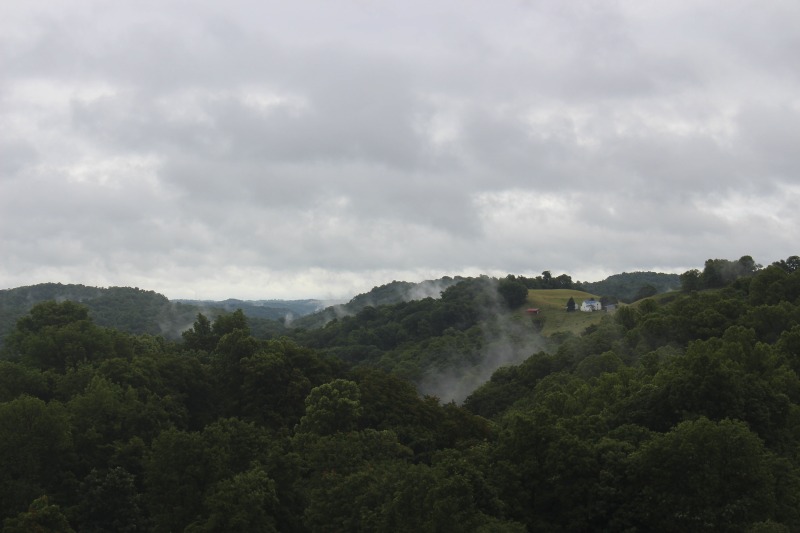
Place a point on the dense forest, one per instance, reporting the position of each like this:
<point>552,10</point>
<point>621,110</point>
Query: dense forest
<point>631,286</point>
<point>140,311</point>
<point>125,308</point>
<point>680,412</point>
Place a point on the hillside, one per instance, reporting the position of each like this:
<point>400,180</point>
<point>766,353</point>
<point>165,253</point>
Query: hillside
<point>136,310</point>
<point>128,309</point>
<point>627,286</point>
<point>387,294</point>
<point>553,303</point>
<point>221,431</point>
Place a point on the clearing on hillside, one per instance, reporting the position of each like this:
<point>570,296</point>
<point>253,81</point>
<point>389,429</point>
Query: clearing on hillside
<point>552,304</point>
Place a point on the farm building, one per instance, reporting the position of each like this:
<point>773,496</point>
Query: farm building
<point>591,305</point>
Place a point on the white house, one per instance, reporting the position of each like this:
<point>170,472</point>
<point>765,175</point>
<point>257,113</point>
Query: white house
<point>591,305</point>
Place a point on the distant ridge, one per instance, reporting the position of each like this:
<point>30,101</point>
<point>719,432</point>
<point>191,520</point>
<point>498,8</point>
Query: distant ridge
<point>387,294</point>
<point>628,285</point>
<point>269,309</point>
<point>139,311</point>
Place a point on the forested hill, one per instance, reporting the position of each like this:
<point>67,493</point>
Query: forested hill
<point>136,310</point>
<point>446,346</point>
<point>673,414</point>
<point>141,311</point>
<point>387,294</point>
<point>632,286</point>
<point>127,309</point>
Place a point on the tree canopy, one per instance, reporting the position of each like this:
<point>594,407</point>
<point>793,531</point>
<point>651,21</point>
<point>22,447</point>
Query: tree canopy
<point>674,413</point>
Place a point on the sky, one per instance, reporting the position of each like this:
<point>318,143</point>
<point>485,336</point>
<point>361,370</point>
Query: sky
<point>315,149</point>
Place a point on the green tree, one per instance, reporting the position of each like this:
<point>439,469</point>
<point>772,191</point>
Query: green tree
<point>747,266</point>
<point>235,444</point>
<point>110,502</point>
<point>789,265</point>
<point>646,291</point>
<point>201,336</point>
<point>235,346</point>
<point>228,323</point>
<point>691,280</point>
<point>768,286</point>
<point>59,336</point>
<point>550,476</point>
<point>706,475</point>
<point>35,447</point>
<point>562,282</point>
<point>105,414</point>
<point>514,293</point>
<point>626,317</point>
<point>41,517</point>
<point>712,275</point>
<point>178,472</point>
<point>247,501</point>
<point>332,407</point>
<point>273,391</point>
<point>17,379</point>
<point>52,314</point>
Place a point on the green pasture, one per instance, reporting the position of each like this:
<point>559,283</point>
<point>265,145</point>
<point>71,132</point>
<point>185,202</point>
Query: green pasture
<point>553,309</point>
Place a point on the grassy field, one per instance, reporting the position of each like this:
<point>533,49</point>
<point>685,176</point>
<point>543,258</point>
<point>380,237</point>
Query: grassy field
<point>553,308</point>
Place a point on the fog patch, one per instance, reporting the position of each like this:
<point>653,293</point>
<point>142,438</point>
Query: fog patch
<point>175,318</point>
<point>389,294</point>
<point>175,332</point>
<point>505,341</point>
<point>429,289</point>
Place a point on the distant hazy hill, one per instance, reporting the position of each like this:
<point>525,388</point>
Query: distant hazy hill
<point>626,286</point>
<point>269,309</point>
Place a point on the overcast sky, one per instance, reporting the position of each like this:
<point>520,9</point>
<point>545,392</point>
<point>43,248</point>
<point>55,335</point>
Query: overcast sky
<point>273,149</point>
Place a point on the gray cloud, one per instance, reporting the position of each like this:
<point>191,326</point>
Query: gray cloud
<point>259,149</point>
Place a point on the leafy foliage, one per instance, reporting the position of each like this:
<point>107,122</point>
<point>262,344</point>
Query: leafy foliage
<point>127,309</point>
<point>389,294</point>
<point>632,286</point>
<point>678,413</point>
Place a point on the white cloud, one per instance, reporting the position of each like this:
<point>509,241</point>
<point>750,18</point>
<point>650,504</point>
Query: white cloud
<point>266,149</point>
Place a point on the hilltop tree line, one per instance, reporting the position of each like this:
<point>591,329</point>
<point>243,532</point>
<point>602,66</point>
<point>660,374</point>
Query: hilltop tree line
<point>140,311</point>
<point>126,308</point>
<point>632,286</point>
<point>675,414</point>
<point>721,272</point>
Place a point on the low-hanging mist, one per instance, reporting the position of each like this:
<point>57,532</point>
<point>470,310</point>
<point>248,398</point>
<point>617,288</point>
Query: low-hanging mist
<point>504,340</point>
<point>460,361</point>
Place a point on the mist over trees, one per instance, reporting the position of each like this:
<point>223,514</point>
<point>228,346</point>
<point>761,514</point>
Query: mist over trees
<point>678,412</point>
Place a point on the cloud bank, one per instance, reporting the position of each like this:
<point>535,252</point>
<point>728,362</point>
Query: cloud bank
<point>267,150</point>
